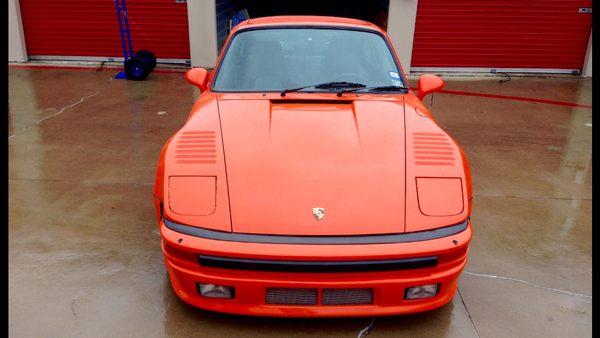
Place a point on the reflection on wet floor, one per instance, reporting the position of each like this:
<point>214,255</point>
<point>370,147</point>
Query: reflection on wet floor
<point>84,250</point>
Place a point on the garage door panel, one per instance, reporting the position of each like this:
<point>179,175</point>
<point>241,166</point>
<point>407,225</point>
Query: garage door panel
<point>484,27</point>
<point>501,34</point>
<point>90,28</point>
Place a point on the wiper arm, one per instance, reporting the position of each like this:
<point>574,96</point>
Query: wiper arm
<point>375,88</point>
<point>326,85</point>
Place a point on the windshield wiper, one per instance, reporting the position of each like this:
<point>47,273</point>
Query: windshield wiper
<point>327,85</point>
<point>375,88</point>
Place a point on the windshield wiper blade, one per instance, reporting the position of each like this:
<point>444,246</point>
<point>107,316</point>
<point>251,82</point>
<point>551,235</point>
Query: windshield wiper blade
<point>375,88</point>
<point>326,85</point>
<point>390,88</point>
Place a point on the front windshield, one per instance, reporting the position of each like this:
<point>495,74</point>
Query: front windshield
<point>281,58</point>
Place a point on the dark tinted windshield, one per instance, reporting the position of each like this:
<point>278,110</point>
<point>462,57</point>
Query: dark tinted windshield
<point>276,59</point>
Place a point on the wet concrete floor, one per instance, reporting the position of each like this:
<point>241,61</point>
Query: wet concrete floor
<point>84,253</point>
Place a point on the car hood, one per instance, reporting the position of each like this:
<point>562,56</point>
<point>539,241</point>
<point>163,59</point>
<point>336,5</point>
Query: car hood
<point>284,159</point>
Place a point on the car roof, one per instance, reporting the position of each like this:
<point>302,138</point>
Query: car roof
<point>311,20</point>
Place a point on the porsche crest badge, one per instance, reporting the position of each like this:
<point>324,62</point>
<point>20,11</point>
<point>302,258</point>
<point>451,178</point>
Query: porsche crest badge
<point>318,213</point>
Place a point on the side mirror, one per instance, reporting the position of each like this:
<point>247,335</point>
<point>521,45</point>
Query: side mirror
<point>198,77</point>
<point>428,84</point>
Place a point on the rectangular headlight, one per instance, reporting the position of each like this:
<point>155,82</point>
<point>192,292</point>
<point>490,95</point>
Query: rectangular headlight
<point>421,291</point>
<point>215,291</point>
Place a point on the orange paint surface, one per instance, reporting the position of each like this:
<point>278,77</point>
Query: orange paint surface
<point>440,196</point>
<point>189,195</point>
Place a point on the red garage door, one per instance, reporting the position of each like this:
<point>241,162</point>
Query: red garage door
<point>80,29</point>
<point>506,35</point>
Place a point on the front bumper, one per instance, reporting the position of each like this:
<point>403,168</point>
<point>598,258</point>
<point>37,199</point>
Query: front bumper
<point>182,251</point>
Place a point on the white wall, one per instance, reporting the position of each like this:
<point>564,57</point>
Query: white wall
<point>16,40</point>
<point>587,65</point>
<point>401,28</point>
<point>203,32</point>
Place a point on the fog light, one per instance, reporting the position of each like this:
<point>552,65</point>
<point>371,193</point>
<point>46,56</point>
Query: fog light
<point>421,291</point>
<point>215,291</point>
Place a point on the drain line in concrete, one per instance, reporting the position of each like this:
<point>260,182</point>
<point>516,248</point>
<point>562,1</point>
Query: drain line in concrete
<point>468,312</point>
<point>529,283</point>
<point>365,332</point>
<point>81,100</point>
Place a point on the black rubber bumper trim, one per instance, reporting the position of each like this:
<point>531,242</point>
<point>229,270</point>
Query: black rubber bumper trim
<point>317,266</point>
<point>323,240</point>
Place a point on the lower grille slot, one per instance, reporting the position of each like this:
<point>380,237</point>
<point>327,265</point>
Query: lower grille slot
<point>317,266</point>
<point>291,296</point>
<point>347,296</point>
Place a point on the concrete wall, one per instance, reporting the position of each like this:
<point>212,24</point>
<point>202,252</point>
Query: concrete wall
<point>401,28</point>
<point>203,32</point>
<point>16,39</point>
<point>587,65</point>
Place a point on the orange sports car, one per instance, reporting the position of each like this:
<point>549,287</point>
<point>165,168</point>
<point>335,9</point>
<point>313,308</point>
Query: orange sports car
<point>309,180</point>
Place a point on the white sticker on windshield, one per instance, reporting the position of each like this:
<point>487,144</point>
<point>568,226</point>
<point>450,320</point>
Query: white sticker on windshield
<point>397,83</point>
<point>394,75</point>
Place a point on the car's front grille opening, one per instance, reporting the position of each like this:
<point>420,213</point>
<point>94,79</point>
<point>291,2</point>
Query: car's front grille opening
<point>347,296</point>
<point>317,266</point>
<point>290,296</point>
<point>309,296</point>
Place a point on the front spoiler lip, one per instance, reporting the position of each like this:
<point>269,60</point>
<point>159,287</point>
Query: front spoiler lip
<point>389,290</point>
<point>320,240</point>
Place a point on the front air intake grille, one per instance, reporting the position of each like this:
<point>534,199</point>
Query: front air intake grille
<point>317,266</point>
<point>285,296</point>
<point>347,296</point>
<point>308,296</point>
